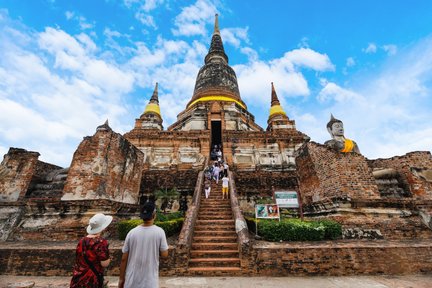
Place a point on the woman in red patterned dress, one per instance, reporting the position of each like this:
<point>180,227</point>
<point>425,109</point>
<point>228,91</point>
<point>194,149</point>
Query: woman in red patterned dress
<point>92,255</point>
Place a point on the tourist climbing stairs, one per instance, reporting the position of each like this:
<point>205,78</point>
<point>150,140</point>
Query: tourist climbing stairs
<point>214,248</point>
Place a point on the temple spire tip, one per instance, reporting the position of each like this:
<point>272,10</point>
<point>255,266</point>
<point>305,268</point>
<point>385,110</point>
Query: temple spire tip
<point>216,25</point>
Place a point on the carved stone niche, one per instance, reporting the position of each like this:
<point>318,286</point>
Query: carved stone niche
<point>147,153</point>
<point>288,157</point>
<point>269,155</point>
<point>190,155</point>
<point>162,157</point>
<point>391,183</point>
<point>244,158</point>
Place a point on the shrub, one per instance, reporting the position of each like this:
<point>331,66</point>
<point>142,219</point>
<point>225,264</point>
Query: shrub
<point>161,217</point>
<point>295,229</point>
<point>170,223</point>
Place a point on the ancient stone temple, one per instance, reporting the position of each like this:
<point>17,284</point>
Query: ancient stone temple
<point>387,199</point>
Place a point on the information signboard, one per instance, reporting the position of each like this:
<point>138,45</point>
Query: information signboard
<point>267,211</point>
<point>286,199</point>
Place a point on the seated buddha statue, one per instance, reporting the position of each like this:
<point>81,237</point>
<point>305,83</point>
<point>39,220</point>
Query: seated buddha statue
<point>338,141</point>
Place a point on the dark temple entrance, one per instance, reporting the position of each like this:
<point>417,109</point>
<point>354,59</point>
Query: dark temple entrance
<point>216,133</point>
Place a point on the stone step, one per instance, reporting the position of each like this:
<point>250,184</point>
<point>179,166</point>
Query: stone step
<point>214,253</point>
<point>212,216</point>
<point>214,246</point>
<point>214,233</point>
<point>215,271</point>
<point>227,238</point>
<point>217,201</point>
<point>214,262</point>
<point>216,222</point>
<point>215,211</point>
<point>215,207</point>
<point>210,227</point>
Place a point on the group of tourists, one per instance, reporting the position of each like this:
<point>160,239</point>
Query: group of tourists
<point>142,248</point>
<point>216,153</point>
<point>219,170</point>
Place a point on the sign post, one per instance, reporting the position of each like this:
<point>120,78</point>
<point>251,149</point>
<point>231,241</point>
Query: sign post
<point>266,211</point>
<point>288,199</point>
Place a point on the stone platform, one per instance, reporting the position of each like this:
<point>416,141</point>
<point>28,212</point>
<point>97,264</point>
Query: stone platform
<point>343,257</point>
<point>382,281</point>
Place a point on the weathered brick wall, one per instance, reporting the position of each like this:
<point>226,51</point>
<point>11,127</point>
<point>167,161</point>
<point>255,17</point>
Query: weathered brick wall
<point>183,180</point>
<point>410,165</point>
<point>253,183</point>
<point>269,259</point>
<point>343,258</point>
<point>55,220</point>
<point>392,223</point>
<point>325,174</point>
<point>57,259</point>
<point>16,171</point>
<point>105,166</point>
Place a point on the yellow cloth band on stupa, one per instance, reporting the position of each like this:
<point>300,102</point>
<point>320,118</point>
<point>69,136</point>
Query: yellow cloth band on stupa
<point>217,98</point>
<point>151,107</point>
<point>349,145</point>
<point>277,109</point>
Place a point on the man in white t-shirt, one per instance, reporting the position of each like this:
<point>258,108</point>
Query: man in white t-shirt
<point>225,181</point>
<point>216,171</point>
<point>140,260</point>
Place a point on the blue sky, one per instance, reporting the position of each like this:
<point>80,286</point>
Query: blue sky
<point>67,66</point>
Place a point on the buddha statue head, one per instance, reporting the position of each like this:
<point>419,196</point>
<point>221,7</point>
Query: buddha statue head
<point>335,127</point>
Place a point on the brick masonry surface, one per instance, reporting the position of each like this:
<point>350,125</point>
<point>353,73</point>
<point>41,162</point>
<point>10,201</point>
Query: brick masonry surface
<point>269,259</point>
<point>325,174</point>
<point>410,165</point>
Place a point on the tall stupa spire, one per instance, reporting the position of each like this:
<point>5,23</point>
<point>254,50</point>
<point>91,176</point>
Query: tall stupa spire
<point>216,51</point>
<point>274,97</point>
<point>154,98</point>
<point>216,80</point>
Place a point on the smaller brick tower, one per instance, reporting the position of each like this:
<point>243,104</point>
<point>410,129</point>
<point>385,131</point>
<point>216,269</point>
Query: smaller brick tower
<point>151,118</point>
<point>277,117</point>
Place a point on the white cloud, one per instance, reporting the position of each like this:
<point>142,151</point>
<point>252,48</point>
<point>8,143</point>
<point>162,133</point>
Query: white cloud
<point>255,77</point>
<point>372,48</point>
<point>350,62</point>
<point>332,91</point>
<point>193,19</point>
<point>390,49</point>
<point>235,36</point>
<point>145,19</point>
<point>307,58</point>
<point>142,10</point>
<point>69,15</point>
<point>251,53</point>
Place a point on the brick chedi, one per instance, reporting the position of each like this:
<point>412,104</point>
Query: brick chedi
<point>278,119</point>
<point>151,118</point>
<point>105,166</point>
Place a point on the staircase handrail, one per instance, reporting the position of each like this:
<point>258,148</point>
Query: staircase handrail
<point>185,238</point>
<point>240,223</point>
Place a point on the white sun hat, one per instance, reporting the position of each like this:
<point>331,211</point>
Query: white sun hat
<point>98,223</point>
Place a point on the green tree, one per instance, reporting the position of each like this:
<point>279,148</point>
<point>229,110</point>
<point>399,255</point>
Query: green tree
<point>167,197</point>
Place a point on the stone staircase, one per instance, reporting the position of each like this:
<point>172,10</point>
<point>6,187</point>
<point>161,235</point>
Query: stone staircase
<point>214,250</point>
